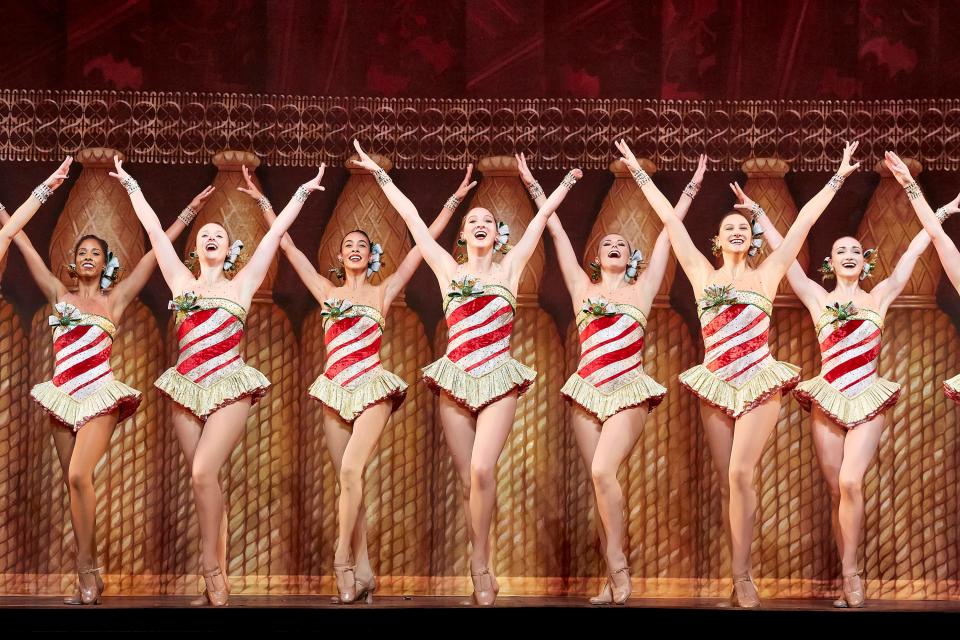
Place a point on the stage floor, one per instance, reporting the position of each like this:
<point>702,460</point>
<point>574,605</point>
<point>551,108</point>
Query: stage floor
<point>442,615</point>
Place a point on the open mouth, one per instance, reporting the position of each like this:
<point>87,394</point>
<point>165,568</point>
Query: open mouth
<point>848,264</point>
<point>354,258</point>
<point>614,253</point>
<point>210,246</point>
<point>736,240</point>
<point>480,234</point>
<point>86,264</point>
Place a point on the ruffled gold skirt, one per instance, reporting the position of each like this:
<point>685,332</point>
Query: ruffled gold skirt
<point>201,401</point>
<point>475,393</point>
<point>777,376</point>
<point>642,390</point>
<point>351,403</point>
<point>73,413</point>
<point>951,387</point>
<point>847,412</point>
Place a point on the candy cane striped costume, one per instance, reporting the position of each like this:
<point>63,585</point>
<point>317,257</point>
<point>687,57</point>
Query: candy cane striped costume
<point>848,388</point>
<point>738,370</point>
<point>83,386</point>
<point>477,368</point>
<point>610,376</point>
<point>354,378</point>
<point>210,372</point>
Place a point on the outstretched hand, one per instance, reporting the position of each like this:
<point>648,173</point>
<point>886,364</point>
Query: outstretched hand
<point>953,206</point>
<point>743,200</point>
<point>120,173</point>
<point>525,174</point>
<point>365,161</point>
<point>846,167</point>
<point>314,185</point>
<point>626,154</point>
<point>57,177</point>
<point>251,189</point>
<point>466,184</point>
<point>701,169</point>
<point>198,200</point>
<point>897,167</point>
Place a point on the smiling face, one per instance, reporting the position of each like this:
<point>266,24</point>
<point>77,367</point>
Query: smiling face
<point>478,228</point>
<point>355,251</point>
<point>735,233</point>
<point>212,243</point>
<point>846,257</point>
<point>613,252</point>
<point>90,256</point>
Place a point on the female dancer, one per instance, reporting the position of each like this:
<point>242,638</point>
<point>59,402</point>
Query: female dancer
<point>933,225</point>
<point>83,400</point>
<point>477,380</point>
<point>13,224</point>
<point>610,394</point>
<point>848,400</point>
<point>357,394</point>
<point>211,387</point>
<point>739,383</point>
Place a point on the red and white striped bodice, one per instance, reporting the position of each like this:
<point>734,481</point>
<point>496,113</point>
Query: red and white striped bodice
<point>611,347</point>
<point>735,337</point>
<point>352,344</point>
<point>82,355</point>
<point>850,350</point>
<point>479,328</point>
<point>209,340</point>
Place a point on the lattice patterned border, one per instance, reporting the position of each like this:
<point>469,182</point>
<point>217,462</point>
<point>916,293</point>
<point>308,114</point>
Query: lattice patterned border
<point>181,128</point>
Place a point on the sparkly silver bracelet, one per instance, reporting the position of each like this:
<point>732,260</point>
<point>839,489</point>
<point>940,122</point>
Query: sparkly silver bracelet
<point>641,177</point>
<point>452,203</point>
<point>264,204</point>
<point>301,194</point>
<point>913,190</point>
<point>942,214</point>
<point>691,190</point>
<point>130,184</point>
<point>2,207</point>
<point>757,211</point>
<point>382,177</point>
<point>535,190</point>
<point>42,192</point>
<point>836,181</point>
<point>568,180</point>
<point>187,215</point>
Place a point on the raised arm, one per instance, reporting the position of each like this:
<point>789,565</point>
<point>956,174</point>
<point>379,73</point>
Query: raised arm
<point>318,285</point>
<point>779,260</point>
<point>395,283</point>
<point>252,274</point>
<point>175,273</point>
<point>574,276</point>
<point>515,261</point>
<point>14,224</point>
<point>890,287</point>
<point>660,255</point>
<point>693,262</point>
<point>811,294</point>
<point>932,223</point>
<point>128,288</point>
<point>437,257</point>
<point>51,286</point>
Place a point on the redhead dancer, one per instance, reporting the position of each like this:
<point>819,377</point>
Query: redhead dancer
<point>211,387</point>
<point>13,224</point>
<point>357,393</point>
<point>477,381</point>
<point>933,224</point>
<point>848,400</point>
<point>83,400</point>
<point>739,383</point>
<point>610,394</point>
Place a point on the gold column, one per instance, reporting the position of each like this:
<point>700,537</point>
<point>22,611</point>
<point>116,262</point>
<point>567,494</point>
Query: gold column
<point>260,480</point>
<point>528,527</point>
<point>910,550</point>
<point>129,530</point>
<point>793,505</point>
<point>657,476</point>
<point>397,480</point>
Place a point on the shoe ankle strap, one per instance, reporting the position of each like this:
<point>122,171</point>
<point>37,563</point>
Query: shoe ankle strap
<point>623,569</point>
<point>213,573</point>
<point>89,571</point>
<point>742,578</point>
